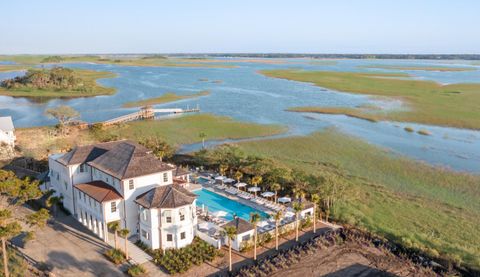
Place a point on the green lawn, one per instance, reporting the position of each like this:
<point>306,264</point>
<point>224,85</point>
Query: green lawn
<point>165,98</point>
<point>455,105</point>
<point>89,78</point>
<point>400,198</point>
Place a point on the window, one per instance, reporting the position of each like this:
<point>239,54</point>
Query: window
<point>106,180</point>
<point>182,235</point>
<point>246,238</point>
<point>79,195</point>
<point>165,177</point>
<point>113,207</point>
<point>84,198</point>
<point>168,216</point>
<point>144,234</point>
<point>89,201</point>
<point>143,212</point>
<point>182,214</point>
<point>66,185</point>
<point>58,176</point>
<point>169,237</point>
<point>82,168</point>
<point>131,185</point>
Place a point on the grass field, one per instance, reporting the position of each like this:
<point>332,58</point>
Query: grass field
<point>454,105</point>
<point>176,131</point>
<point>405,200</point>
<point>422,68</point>
<point>120,60</point>
<point>89,78</point>
<point>351,112</point>
<point>165,98</point>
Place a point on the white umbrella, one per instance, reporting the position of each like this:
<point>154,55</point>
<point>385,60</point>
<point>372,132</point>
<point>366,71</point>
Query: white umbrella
<point>220,178</point>
<point>284,199</point>
<point>268,194</point>
<point>240,185</point>
<point>229,180</point>
<point>254,189</point>
<point>262,223</point>
<point>204,226</point>
<point>219,213</point>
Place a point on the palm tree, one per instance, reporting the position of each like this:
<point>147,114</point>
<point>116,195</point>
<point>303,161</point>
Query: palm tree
<point>256,180</point>
<point>238,176</point>
<point>202,135</point>
<point>298,207</point>
<point>223,169</point>
<point>52,203</point>
<point>115,227</point>
<point>275,187</point>
<point>230,232</point>
<point>124,234</point>
<point>254,219</point>
<point>277,216</point>
<point>315,198</point>
<point>7,231</point>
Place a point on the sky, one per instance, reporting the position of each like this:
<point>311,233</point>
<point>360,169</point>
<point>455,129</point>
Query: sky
<point>246,26</point>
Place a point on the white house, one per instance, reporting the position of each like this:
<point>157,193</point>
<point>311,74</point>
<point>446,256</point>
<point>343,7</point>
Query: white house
<point>100,183</point>
<point>167,217</point>
<point>7,131</point>
<point>245,232</point>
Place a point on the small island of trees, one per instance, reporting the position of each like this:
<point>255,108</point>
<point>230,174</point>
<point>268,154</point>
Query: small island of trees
<point>56,82</point>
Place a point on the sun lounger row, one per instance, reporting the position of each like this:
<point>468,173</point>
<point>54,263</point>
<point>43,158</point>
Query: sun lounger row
<point>244,195</point>
<point>231,190</point>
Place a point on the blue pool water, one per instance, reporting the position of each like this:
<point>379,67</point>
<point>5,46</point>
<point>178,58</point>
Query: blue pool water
<point>216,202</point>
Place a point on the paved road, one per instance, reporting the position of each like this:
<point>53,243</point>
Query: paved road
<point>71,249</point>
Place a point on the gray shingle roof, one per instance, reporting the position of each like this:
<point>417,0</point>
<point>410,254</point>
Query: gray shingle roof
<point>241,225</point>
<point>170,196</point>
<point>122,159</point>
<point>6,124</point>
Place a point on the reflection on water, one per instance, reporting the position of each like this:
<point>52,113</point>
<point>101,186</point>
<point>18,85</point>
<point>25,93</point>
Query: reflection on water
<point>246,95</point>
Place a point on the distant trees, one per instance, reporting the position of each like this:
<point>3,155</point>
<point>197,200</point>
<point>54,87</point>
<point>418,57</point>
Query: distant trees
<point>159,147</point>
<point>64,114</point>
<point>55,78</point>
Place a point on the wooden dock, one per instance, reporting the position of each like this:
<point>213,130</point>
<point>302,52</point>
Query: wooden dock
<point>144,113</point>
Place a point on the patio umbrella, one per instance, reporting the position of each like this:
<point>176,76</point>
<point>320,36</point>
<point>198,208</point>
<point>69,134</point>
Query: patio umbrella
<point>284,200</point>
<point>229,180</point>
<point>220,178</point>
<point>219,213</point>
<point>268,194</point>
<point>240,185</point>
<point>254,190</point>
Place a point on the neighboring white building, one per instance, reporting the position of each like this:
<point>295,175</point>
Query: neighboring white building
<point>100,183</point>
<point>245,232</point>
<point>7,131</point>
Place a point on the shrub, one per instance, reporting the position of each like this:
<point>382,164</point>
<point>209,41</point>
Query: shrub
<point>136,270</point>
<point>424,132</point>
<point>180,260</point>
<point>115,255</point>
<point>409,129</point>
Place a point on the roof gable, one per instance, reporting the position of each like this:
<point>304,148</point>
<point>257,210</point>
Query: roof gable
<point>170,196</point>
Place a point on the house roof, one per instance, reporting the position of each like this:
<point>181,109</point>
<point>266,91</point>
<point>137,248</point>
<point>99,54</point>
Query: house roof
<point>170,196</point>
<point>122,159</point>
<point>6,124</point>
<point>100,191</point>
<point>241,225</point>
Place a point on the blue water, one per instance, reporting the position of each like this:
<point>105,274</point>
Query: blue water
<point>216,202</point>
<point>246,95</point>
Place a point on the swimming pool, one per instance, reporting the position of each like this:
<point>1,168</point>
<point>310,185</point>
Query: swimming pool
<point>216,202</point>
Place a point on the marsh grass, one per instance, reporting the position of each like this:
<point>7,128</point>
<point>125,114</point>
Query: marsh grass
<point>165,98</point>
<point>351,112</point>
<point>405,200</point>
<point>421,68</point>
<point>429,102</point>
